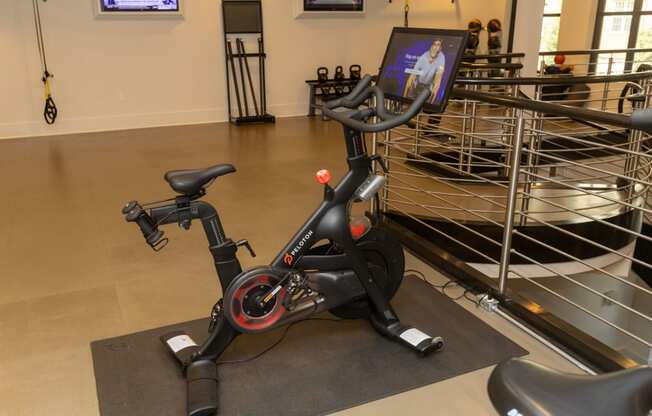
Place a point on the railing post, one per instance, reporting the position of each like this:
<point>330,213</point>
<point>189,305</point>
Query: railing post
<point>472,122</point>
<point>463,136</point>
<point>605,93</point>
<point>509,130</point>
<point>514,169</point>
<point>634,145</point>
<point>471,141</point>
<point>532,163</point>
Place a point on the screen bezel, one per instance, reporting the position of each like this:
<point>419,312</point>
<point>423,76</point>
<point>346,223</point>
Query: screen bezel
<point>100,11</point>
<point>451,80</point>
<point>333,8</point>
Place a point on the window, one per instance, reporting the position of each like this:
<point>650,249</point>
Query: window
<point>622,24</point>
<point>550,28</point>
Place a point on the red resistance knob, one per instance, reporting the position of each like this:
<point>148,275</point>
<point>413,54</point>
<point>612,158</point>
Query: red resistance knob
<point>323,176</point>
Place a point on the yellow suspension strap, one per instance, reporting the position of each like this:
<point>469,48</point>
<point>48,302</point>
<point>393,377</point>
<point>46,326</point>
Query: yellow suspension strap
<point>406,9</point>
<point>50,111</point>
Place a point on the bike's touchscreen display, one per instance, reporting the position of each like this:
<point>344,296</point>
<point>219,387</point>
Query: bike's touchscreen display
<point>418,59</point>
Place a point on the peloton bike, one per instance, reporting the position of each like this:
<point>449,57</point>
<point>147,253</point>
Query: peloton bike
<point>357,269</point>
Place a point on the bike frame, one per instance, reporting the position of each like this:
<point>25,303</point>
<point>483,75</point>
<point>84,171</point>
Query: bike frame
<point>330,221</point>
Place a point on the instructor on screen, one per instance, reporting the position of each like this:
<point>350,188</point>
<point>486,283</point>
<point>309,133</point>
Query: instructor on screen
<point>427,72</point>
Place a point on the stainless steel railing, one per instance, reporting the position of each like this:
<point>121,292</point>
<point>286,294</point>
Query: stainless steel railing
<point>548,202</point>
<point>605,62</point>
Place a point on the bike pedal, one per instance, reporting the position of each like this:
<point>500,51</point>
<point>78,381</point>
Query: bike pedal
<point>423,343</point>
<point>181,345</point>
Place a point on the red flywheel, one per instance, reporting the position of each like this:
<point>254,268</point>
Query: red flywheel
<point>247,310</point>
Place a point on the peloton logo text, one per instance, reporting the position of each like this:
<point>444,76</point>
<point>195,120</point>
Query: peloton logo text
<point>289,257</point>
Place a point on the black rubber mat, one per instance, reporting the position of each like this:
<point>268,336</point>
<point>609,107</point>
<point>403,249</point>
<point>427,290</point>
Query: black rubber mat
<point>322,366</point>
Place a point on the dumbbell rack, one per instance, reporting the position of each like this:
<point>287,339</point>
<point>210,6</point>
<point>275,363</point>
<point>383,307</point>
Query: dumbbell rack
<point>327,89</point>
<point>244,17</point>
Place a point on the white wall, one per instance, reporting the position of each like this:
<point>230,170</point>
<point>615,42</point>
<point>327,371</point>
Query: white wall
<point>527,39</point>
<point>119,73</point>
<point>576,30</point>
<point>15,87</point>
<point>576,24</point>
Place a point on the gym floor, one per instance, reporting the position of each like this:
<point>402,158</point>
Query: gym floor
<point>72,271</point>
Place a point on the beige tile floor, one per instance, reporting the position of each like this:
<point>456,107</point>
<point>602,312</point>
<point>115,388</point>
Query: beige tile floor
<point>72,271</point>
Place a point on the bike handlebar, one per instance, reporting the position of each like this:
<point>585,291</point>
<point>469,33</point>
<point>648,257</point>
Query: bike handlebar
<point>133,212</point>
<point>350,99</point>
<point>363,92</point>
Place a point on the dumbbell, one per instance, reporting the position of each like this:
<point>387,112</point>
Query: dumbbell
<point>339,73</point>
<point>355,72</point>
<point>322,74</point>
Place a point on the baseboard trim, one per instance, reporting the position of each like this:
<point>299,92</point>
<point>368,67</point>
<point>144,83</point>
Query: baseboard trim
<point>36,128</point>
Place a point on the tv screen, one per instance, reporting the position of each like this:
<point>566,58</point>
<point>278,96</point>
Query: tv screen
<point>139,5</point>
<point>333,5</point>
<point>418,59</point>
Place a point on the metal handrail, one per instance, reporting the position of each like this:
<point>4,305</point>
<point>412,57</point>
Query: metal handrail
<point>564,80</point>
<point>594,51</point>
<point>474,65</point>
<point>498,55</point>
<point>613,119</point>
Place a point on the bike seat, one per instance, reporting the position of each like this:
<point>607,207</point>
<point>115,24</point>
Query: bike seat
<point>190,181</point>
<point>520,387</point>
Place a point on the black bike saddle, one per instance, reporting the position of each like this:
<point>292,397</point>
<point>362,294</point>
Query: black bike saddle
<point>190,181</point>
<point>520,387</point>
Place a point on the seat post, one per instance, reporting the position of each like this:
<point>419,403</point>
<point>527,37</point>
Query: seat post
<point>210,221</point>
<point>222,249</point>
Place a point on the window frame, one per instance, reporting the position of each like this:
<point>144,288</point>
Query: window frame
<point>636,13</point>
<point>558,16</point>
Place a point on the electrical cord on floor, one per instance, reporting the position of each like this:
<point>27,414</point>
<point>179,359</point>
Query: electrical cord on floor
<point>467,294</point>
<point>278,341</point>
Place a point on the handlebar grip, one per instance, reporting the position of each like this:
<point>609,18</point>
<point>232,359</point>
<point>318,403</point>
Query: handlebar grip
<point>642,120</point>
<point>350,99</point>
<point>135,213</point>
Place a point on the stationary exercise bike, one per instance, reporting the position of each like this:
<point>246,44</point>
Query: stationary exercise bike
<point>353,274</point>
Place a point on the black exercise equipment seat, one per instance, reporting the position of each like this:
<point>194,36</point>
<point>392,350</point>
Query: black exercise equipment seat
<point>524,388</point>
<point>191,181</point>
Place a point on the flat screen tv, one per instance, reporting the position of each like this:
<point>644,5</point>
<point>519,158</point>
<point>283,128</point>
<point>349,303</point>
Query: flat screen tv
<point>170,7</point>
<point>418,59</point>
<point>333,5</point>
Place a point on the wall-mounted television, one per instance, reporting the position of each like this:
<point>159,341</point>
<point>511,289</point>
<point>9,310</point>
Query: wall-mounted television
<point>138,7</point>
<point>333,5</point>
